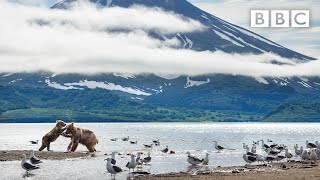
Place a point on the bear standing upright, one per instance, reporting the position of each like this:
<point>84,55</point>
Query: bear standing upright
<point>52,135</point>
<point>82,136</point>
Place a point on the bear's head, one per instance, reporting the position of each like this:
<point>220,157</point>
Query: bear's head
<point>60,124</point>
<point>70,129</point>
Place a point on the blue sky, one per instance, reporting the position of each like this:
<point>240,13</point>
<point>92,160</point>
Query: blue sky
<point>304,40</point>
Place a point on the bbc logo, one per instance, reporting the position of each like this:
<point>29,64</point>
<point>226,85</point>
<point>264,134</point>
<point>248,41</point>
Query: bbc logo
<point>280,18</point>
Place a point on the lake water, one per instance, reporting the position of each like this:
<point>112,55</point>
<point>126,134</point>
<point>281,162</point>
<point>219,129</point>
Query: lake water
<point>181,137</point>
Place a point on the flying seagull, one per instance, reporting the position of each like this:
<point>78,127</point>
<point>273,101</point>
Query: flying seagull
<point>26,166</point>
<point>33,158</point>
<point>113,170</point>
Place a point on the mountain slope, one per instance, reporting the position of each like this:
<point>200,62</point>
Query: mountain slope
<point>220,34</point>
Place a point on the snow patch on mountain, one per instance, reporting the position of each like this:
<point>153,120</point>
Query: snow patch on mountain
<point>59,86</point>
<point>191,83</point>
<point>14,81</point>
<point>305,84</point>
<point>108,86</point>
<point>7,75</point>
<point>124,75</point>
<point>262,80</point>
<point>186,41</point>
<point>225,37</point>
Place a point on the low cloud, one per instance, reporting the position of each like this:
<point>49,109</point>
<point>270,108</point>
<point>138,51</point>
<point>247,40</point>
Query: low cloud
<point>83,40</point>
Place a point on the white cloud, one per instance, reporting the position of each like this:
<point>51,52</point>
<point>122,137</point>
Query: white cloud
<point>80,46</point>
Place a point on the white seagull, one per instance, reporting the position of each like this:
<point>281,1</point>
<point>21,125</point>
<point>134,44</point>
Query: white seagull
<point>287,154</point>
<point>33,158</point>
<point>132,163</point>
<point>113,158</point>
<point>218,147</point>
<point>146,159</point>
<point>165,150</point>
<point>206,159</point>
<point>26,166</point>
<point>313,155</point>
<point>193,160</point>
<point>305,155</point>
<point>297,151</point>
<point>113,170</point>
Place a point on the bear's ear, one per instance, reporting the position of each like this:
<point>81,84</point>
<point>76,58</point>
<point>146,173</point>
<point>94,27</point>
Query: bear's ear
<point>72,123</point>
<point>57,121</point>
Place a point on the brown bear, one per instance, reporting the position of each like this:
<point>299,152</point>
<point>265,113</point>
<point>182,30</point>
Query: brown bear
<point>53,135</point>
<point>82,136</point>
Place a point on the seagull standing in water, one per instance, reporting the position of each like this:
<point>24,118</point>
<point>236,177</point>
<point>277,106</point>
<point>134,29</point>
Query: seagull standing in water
<point>33,158</point>
<point>146,159</point>
<point>206,159</point>
<point>113,170</point>
<point>26,166</point>
<point>218,147</point>
<point>165,150</point>
<point>132,163</point>
<point>193,160</point>
<point>310,145</point>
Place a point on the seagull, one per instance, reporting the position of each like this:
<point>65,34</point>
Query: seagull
<point>253,148</point>
<point>132,163</point>
<point>287,154</point>
<point>138,157</point>
<point>165,150</point>
<point>260,158</point>
<point>313,155</point>
<point>297,151</point>
<point>33,158</point>
<point>133,142</point>
<point>318,145</point>
<point>193,160</point>
<point>113,158</point>
<point>113,170</point>
<point>34,142</point>
<point>269,158</point>
<point>264,145</point>
<point>114,139</point>
<point>305,155</point>
<point>218,147</point>
<point>146,159</point>
<point>244,145</point>
<point>125,139</point>
<point>279,158</point>
<point>269,140</point>
<point>156,141</point>
<point>273,152</point>
<point>206,159</point>
<point>249,153</point>
<point>249,159</point>
<point>26,166</point>
<point>310,145</point>
<point>148,145</point>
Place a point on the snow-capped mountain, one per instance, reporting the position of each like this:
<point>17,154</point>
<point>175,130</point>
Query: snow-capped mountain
<point>140,97</point>
<point>220,34</point>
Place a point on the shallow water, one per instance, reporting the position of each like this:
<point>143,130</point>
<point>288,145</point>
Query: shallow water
<point>181,137</point>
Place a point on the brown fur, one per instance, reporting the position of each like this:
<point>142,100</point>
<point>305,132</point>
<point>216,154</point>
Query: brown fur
<point>82,136</point>
<point>52,135</point>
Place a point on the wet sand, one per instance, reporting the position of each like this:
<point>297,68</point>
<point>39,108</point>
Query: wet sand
<point>277,171</point>
<point>15,155</point>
